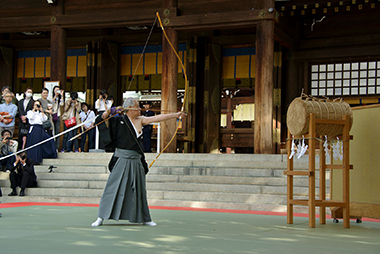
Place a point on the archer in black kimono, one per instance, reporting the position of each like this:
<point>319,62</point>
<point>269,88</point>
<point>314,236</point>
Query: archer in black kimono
<point>124,197</point>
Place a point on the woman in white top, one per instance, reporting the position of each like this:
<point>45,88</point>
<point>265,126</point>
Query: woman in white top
<point>47,108</point>
<point>37,134</point>
<point>102,104</point>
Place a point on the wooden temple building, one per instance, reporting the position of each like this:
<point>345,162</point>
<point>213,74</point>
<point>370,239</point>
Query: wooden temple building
<point>259,54</point>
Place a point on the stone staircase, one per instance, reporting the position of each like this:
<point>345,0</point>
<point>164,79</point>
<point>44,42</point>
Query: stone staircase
<point>224,181</point>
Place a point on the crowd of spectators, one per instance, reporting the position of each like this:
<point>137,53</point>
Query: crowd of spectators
<point>47,118</point>
<point>34,120</point>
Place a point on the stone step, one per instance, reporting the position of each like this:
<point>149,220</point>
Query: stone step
<point>71,184</point>
<point>188,160</point>
<point>219,164</point>
<point>62,192</point>
<point>72,176</point>
<point>80,156</point>
<point>94,169</point>
<point>67,178</point>
<point>188,156</point>
<point>75,162</point>
<point>234,181</point>
<point>214,172</point>
<point>270,181</point>
<point>221,157</point>
<point>193,157</point>
<point>231,171</point>
<point>181,179</point>
<point>167,170</point>
<point>224,188</point>
<point>195,193</point>
<point>46,185</point>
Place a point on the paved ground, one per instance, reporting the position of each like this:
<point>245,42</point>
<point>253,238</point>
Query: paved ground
<point>41,228</point>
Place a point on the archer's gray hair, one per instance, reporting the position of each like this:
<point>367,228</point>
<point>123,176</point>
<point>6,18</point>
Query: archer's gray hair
<point>129,102</point>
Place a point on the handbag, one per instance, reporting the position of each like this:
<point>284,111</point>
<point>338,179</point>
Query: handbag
<point>46,124</point>
<point>55,117</point>
<point>70,122</point>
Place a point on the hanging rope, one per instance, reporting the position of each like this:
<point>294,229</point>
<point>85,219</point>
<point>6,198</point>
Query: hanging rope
<point>142,54</point>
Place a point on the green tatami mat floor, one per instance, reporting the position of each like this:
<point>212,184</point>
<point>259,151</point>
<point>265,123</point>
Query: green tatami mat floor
<point>57,229</point>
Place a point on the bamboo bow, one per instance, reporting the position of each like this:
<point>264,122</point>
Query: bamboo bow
<point>183,103</point>
<point>186,86</point>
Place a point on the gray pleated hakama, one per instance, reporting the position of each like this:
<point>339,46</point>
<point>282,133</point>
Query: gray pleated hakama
<point>124,197</point>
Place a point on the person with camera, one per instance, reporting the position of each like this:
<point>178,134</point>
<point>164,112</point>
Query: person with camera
<point>37,133</point>
<point>102,104</point>
<point>47,108</point>
<point>22,174</point>
<point>24,106</point>
<point>8,112</point>
<point>71,110</point>
<point>58,102</point>
<point>7,147</point>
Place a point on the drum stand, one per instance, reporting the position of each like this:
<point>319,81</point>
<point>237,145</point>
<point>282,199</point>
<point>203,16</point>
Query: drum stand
<point>312,202</point>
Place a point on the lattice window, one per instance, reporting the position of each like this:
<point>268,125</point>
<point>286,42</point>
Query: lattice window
<point>346,78</point>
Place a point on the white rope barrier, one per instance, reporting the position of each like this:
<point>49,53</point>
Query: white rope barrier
<point>46,140</point>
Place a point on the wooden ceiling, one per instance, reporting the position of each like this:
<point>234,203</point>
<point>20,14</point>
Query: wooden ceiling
<point>87,20</point>
<point>299,24</point>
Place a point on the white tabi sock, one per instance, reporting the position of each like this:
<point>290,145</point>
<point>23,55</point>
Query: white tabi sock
<point>98,222</point>
<point>150,223</point>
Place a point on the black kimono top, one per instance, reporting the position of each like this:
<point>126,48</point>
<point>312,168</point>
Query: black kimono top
<point>118,135</point>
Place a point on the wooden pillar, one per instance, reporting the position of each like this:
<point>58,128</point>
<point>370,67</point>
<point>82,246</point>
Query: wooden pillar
<point>58,49</point>
<point>7,67</point>
<point>190,106</point>
<point>211,97</point>
<point>263,140</point>
<point>277,110</point>
<point>58,55</point>
<point>322,182</point>
<point>289,180</point>
<point>169,89</point>
<point>311,201</point>
<point>229,118</point>
<point>346,171</point>
<point>169,83</point>
<point>91,72</point>
<point>108,70</point>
